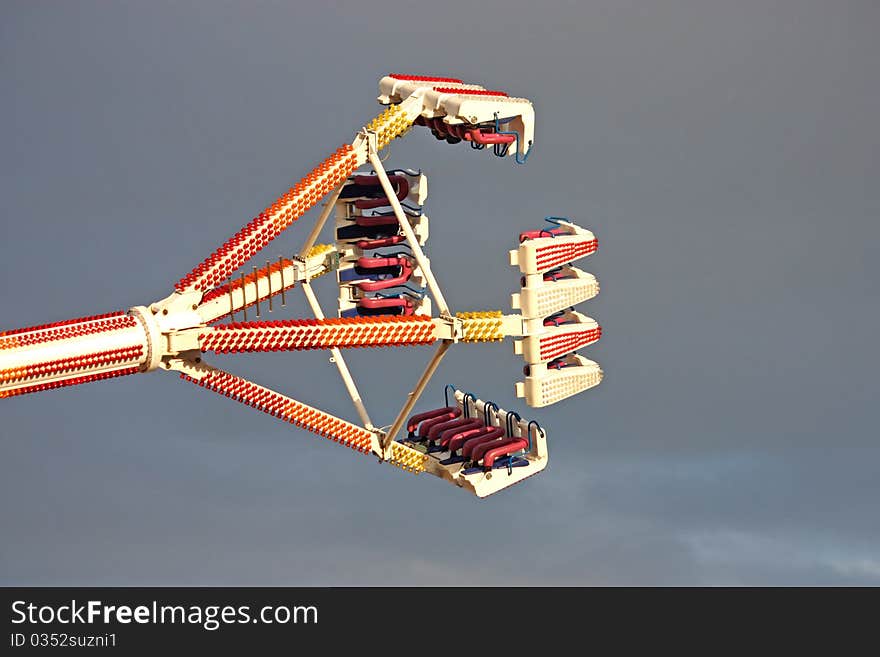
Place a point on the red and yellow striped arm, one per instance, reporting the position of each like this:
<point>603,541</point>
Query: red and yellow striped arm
<point>299,414</point>
<point>71,352</point>
<point>282,407</point>
<point>294,203</point>
<point>302,334</point>
<point>238,249</point>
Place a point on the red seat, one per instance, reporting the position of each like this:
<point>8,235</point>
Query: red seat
<point>405,272</point>
<point>448,435</point>
<point>459,435</point>
<point>391,304</point>
<point>426,426</point>
<point>490,451</point>
<point>458,440</point>
<point>460,423</point>
<point>489,437</point>
<point>399,182</point>
<point>380,242</point>
<point>543,232</point>
<point>377,220</point>
<point>449,411</point>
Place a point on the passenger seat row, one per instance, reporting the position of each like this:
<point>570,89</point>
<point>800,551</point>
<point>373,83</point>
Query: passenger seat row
<point>474,441</point>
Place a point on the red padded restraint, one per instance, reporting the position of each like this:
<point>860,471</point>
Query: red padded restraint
<point>460,423</point>
<point>449,412</point>
<point>490,433</point>
<point>427,425</point>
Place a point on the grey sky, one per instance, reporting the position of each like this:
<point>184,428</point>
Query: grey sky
<point>726,155</point>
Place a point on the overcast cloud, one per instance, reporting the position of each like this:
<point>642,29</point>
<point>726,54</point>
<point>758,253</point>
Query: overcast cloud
<point>726,155</point>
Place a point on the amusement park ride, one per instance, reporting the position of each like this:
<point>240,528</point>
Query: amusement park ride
<point>388,297</point>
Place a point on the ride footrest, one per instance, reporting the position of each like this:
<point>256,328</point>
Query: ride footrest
<point>557,380</point>
<point>567,287</point>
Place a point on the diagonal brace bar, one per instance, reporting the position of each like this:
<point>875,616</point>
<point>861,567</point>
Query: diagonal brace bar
<point>413,396</point>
